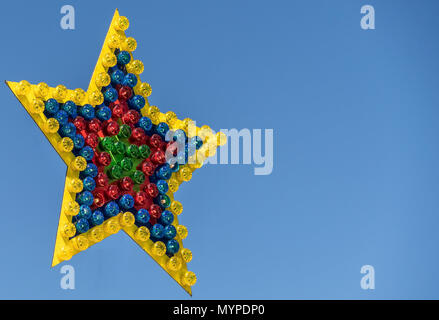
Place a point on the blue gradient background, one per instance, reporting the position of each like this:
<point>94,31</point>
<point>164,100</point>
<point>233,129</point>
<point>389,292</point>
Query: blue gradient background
<point>356,153</point>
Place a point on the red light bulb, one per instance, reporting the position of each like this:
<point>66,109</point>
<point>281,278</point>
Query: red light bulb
<point>101,179</point>
<point>125,93</point>
<point>147,168</point>
<point>104,159</point>
<point>80,123</point>
<point>151,190</point>
<point>141,198</point>
<point>99,198</point>
<point>155,141</point>
<point>126,183</point>
<point>139,135</point>
<point>155,211</point>
<point>131,117</point>
<point>112,128</point>
<point>113,191</point>
<point>92,140</point>
<point>95,125</point>
<point>158,157</point>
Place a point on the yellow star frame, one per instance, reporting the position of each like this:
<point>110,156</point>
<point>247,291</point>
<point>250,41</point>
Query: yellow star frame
<point>32,97</point>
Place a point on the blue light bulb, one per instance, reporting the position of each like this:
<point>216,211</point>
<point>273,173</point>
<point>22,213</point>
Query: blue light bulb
<point>126,201</point>
<point>130,80</point>
<point>175,166</point>
<point>142,216</point>
<point>164,172</point>
<point>117,77</point>
<point>78,141</point>
<point>87,112</point>
<point>82,225</point>
<point>84,212</point>
<point>172,246</point>
<point>162,186</point>
<point>67,130</point>
<point>85,197</point>
<point>167,217</point>
<point>157,231</point>
<point>86,152</point>
<point>110,95</point>
<point>97,217</point>
<point>51,106</point>
<point>89,183</point>
<point>197,141</point>
<point>103,113</point>
<point>111,209</point>
<point>137,102</point>
<point>162,129</point>
<point>62,117</point>
<point>145,123</point>
<point>179,136</point>
<point>123,57</point>
<point>91,170</point>
<point>71,109</point>
<point>170,232</point>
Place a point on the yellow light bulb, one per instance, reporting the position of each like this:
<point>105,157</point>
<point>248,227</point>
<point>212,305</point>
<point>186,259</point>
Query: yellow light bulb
<point>79,163</point>
<point>109,60</point>
<point>78,96</point>
<point>142,234</point>
<point>189,278</point>
<point>185,173</point>
<point>176,207</point>
<point>221,138</point>
<point>37,106</point>
<point>170,117</point>
<point>153,110</point>
<point>129,44</point>
<point>68,230</point>
<point>95,97</point>
<point>127,219</point>
<point>41,90</point>
<point>173,185</point>
<point>186,255</point>
<point>136,67</point>
<point>174,263</point>
<point>113,41</point>
<point>96,234</point>
<point>182,231</point>
<point>60,92</point>
<point>159,248</point>
<point>145,89</point>
<point>196,161</point>
<point>210,149</point>
<point>66,144</point>
<point>154,113</point>
<point>111,226</point>
<point>122,23</point>
<point>23,88</point>
<point>102,79</point>
<point>80,242</point>
<point>190,127</point>
<point>52,125</point>
<point>65,253</point>
<point>71,208</point>
<point>75,185</point>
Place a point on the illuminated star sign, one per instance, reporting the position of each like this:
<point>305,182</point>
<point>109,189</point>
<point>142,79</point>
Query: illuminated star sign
<point>125,158</point>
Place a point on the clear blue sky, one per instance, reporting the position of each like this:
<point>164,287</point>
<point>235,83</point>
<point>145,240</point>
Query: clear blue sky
<point>356,152</point>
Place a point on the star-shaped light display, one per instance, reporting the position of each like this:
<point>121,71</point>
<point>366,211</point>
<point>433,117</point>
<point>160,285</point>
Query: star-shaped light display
<point>125,158</point>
